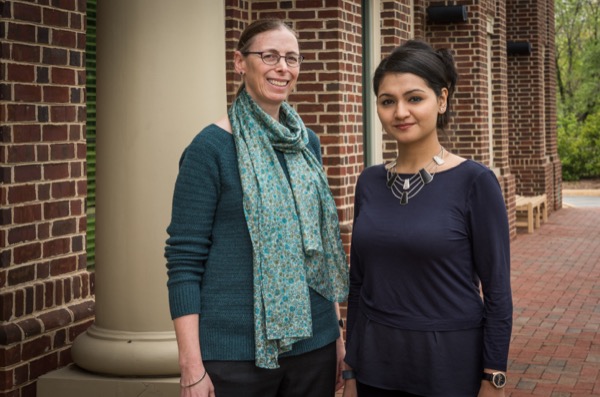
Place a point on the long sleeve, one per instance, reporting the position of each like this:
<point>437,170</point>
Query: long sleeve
<point>356,274</point>
<point>491,255</point>
<point>194,202</point>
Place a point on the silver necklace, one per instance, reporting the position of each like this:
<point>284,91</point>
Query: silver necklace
<point>406,188</point>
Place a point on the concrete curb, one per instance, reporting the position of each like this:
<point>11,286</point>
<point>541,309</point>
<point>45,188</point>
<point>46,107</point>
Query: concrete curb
<point>581,192</point>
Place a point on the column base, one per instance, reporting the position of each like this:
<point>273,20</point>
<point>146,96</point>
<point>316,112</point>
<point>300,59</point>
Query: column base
<point>72,381</point>
<point>120,353</point>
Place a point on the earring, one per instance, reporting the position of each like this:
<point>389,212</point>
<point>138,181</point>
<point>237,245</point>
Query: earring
<point>242,73</point>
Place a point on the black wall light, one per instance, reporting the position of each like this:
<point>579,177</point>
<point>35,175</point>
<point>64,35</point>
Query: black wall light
<point>447,14</point>
<point>518,48</point>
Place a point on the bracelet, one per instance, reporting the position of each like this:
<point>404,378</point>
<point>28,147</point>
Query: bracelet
<point>195,383</point>
<point>348,374</point>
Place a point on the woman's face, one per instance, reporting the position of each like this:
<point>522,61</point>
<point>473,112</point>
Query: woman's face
<point>269,85</point>
<point>408,108</point>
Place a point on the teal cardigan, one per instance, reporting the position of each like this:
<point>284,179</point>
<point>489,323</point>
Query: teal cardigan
<point>209,253</point>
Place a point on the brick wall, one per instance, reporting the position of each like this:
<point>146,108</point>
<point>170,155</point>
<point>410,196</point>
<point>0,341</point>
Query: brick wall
<point>396,27</point>
<point>46,298</point>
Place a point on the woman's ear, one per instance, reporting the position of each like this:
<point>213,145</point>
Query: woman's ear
<point>443,101</point>
<point>239,63</point>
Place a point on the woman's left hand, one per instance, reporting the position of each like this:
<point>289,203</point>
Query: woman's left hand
<point>488,390</point>
<point>341,354</point>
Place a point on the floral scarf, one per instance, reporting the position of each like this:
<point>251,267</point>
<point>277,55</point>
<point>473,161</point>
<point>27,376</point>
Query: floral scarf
<point>293,226</point>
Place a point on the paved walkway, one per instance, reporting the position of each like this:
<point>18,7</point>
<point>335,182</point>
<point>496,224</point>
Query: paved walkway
<point>555,351</point>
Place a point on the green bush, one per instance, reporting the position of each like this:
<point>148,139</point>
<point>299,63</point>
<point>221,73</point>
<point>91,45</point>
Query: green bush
<point>579,147</point>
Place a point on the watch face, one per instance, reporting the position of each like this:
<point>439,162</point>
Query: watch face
<point>499,380</point>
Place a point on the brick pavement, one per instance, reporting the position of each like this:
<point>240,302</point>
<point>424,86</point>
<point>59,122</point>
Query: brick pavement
<point>555,349</point>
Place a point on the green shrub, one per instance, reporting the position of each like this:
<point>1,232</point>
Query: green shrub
<point>579,147</point>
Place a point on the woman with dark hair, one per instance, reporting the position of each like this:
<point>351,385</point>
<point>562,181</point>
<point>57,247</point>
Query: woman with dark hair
<point>254,256</point>
<point>430,232</point>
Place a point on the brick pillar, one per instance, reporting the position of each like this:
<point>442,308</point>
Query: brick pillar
<point>554,187</point>
<point>531,111</point>
<point>46,294</point>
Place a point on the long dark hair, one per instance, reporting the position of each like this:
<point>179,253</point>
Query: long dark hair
<point>254,29</point>
<point>436,67</point>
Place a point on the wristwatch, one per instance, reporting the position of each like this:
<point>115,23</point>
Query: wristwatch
<point>348,374</point>
<point>497,379</point>
<point>341,323</point>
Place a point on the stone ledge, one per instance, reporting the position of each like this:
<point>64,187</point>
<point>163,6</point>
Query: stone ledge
<point>72,381</point>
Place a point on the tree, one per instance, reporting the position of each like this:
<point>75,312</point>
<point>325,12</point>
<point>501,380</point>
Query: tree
<point>578,85</point>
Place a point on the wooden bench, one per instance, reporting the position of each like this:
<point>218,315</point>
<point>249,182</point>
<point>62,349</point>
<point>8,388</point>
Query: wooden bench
<point>531,211</point>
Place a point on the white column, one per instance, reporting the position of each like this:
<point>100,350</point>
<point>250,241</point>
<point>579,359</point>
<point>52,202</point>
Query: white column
<point>160,79</point>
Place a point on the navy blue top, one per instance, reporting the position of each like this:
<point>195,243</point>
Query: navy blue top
<point>418,266</point>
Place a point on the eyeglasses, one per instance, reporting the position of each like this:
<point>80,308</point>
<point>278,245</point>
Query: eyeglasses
<point>272,58</point>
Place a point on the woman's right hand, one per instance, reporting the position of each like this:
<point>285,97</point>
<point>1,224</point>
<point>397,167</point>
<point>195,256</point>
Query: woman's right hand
<point>350,388</point>
<point>204,388</point>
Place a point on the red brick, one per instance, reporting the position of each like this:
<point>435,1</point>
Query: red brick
<point>64,38</point>
<point>25,53</point>
<point>23,254</point>
<point>42,153</point>
<point>63,189</point>
<point>8,334</point>
<point>62,266</point>
<point>43,230</point>
<point>36,347</point>
<point>43,365</point>
<point>61,228</point>
<point>23,133</point>
<point>21,194</point>
<point>26,12</point>
<point>9,355</point>
<point>55,56</point>
<point>63,76</point>
<point>49,294</point>
<point>21,112</point>
<point>79,328</point>
<point>54,17</point>
<point>27,213</point>
<point>58,318</point>
<point>61,114</point>
<point>62,151</point>
<point>55,132</point>
<point>21,32</point>
<point>27,173</point>
<point>56,171</point>
<point>60,339</point>
<point>54,94</point>
<point>21,153</point>
<point>56,247</point>
<point>21,234</point>
<point>39,293</point>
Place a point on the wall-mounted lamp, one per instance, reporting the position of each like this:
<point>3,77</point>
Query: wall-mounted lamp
<point>447,14</point>
<point>518,48</point>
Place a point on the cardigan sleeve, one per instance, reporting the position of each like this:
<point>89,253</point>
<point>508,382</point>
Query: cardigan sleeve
<point>491,253</point>
<point>194,204</point>
<point>315,145</point>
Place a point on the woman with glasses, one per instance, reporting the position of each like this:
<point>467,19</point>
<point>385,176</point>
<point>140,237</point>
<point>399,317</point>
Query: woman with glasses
<point>254,256</point>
